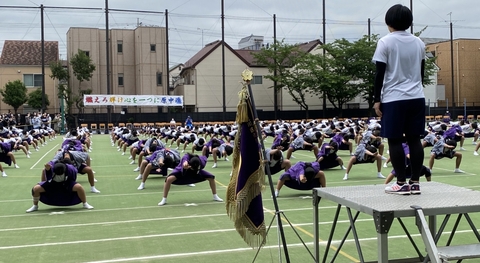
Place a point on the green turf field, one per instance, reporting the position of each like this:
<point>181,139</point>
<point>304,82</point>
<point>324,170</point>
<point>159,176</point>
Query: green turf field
<point>128,226</point>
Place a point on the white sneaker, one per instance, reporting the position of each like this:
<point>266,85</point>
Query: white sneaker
<point>380,175</point>
<point>123,153</point>
<point>139,177</point>
<point>474,143</point>
<point>345,177</point>
<point>214,165</point>
<point>94,190</point>
<point>4,174</point>
<point>130,158</point>
<point>29,152</point>
<point>191,185</point>
<point>32,209</point>
<point>385,165</point>
<point>16,166</point>
<point>163,202</point>
<point>36,149</point>
<point>118,149</point>
<point>384,158</point>
<point>276,193</point>
<point>216,198</point>
<point>475,153</point>
<point>183,151</point>
<point>458,171</point>
<point>136,169</point>
<point>87,206</point>
<point>141,186</point>
<point>343,167</point>
<point>132,162</point>
<point>28,156</point>
<point>226,159</point>
<point>95,180</point>
<point>462,149</point>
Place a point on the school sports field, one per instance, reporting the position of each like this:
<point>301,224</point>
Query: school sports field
<point>128,226</point>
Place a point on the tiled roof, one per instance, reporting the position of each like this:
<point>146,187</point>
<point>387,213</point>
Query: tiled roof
<point>244,54</point>
<point>204,52</point>
<point>19,52</point>
<point>248,54</point>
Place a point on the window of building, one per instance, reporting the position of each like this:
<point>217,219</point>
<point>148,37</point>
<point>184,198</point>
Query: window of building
<point>32,80</point>
<point>153,47</point>
<point>120,46</point>
<point>120,79</point>
<point>159,79</point>
<point>87,53</point>
<point>257,80</point>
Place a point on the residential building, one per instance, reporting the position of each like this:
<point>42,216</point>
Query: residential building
<point>251,43</point>
<point>22,60</point>
<point>138,62</point>
<point>466,68</point>
<point>202,85</point>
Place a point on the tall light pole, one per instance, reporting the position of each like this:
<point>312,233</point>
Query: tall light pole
<point>202,34</point>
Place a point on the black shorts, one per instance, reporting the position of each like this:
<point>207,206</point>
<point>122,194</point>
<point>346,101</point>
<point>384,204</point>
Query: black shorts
<point>403,117</point>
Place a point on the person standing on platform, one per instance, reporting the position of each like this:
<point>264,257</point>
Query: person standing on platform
<point>399,98</point>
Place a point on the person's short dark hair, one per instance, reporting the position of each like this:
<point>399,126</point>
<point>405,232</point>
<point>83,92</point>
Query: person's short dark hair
<point>371,149</point>
<point>59,168</point>
<point>399,17</point>
<point>276,155</point>
<point>474,125</point>
<point>229,150</point>
<point>333,144</point>
<point>451,142</point>
<point>194,162</point>
<point>308,140</point>
<point>168,161</point>
<point>201,142</point>
<point>152,147</point>
<point>444,127</point>
<point>309,172</point>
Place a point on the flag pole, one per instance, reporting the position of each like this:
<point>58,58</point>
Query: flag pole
<point>268,172</point>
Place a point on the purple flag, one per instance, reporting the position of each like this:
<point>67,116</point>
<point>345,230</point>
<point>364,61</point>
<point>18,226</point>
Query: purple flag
<point>244,198</point>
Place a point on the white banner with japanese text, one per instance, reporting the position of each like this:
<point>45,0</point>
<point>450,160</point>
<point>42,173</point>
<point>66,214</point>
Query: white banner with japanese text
<point>132,100</point>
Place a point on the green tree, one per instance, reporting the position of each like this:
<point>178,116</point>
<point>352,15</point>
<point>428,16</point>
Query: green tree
<point>35,99</point>
<point>83,68</point>
<point>292,70</point>
<point>335,73</point>
<point>60,73</point>
<point>14,94</point>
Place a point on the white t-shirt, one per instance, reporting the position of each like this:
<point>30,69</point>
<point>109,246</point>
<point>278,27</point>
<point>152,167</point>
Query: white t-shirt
<point>403,53</point>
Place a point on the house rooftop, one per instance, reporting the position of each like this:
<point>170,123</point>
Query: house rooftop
<point>29,53</point>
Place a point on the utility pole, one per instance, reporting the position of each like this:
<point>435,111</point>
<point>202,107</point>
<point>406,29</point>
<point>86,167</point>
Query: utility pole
<point>107,48</point>
<point>451,65</point>
<point>43,57</point>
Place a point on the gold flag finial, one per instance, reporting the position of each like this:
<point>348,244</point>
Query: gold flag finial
<point>247,75</point>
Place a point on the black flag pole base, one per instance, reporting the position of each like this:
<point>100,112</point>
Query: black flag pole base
<point>278,215</point>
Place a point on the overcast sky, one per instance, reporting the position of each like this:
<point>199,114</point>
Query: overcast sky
<point>193,22</point>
